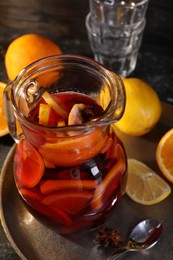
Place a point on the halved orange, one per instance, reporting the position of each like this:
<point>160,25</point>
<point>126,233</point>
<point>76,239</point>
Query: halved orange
<point>3,125</point>
<point>164,153</point>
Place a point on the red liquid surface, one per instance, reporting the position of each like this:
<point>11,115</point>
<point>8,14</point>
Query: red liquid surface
<point>72,180</point>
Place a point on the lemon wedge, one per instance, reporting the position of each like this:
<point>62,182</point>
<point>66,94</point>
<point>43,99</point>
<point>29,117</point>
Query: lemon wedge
<point>144,186</point>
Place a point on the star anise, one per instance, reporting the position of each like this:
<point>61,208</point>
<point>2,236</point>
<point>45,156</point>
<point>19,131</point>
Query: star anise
<point>109,237</point>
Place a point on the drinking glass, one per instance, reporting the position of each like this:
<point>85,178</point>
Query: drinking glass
<point>115,31</point>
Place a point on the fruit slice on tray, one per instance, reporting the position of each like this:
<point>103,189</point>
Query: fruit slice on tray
<point>144,185</point>
<point>29,165</point>
<point>163,155</point>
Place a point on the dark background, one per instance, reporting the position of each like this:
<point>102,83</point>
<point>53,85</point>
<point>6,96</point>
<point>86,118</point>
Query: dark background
<point>64,22</point>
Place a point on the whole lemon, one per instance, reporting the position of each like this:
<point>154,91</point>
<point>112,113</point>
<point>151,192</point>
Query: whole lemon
<point>143,108</point>
<point>26,49</point>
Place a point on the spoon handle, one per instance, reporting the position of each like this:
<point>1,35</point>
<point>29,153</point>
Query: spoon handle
<point>117,254</point>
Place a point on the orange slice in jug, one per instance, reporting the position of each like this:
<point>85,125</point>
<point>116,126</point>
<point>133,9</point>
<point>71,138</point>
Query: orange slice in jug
<point>29,165</point>
<point>68,151</point>
<point>54,105</point>
<point>70,201</point>
<point>108,185</point>
<point>49,186</point>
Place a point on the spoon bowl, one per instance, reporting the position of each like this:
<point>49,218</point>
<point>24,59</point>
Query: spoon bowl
<point>144,236</point>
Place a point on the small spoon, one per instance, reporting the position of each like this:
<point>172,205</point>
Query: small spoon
<point>144,235</point>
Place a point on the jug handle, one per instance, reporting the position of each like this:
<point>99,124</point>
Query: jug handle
<point>9,110</point>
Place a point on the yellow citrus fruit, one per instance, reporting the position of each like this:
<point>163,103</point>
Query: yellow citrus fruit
<point>164,154</point>
<point>143,108</point>
<point>3,123</point>
<point>144,186</point>
<point>26,49</point>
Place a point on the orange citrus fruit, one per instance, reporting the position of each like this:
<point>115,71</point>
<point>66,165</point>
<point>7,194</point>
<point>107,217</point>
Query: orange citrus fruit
<point>72,151</point>
<point>49,186</point>
<point>143,108</point>
<point>3,123</point>
<point>108,185</point>
<point>164,153</point>
<point>68,200</point>
<point>26,49</point>
<point>144,186</point>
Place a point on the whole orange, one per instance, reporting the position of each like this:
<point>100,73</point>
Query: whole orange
<point>26,49</point>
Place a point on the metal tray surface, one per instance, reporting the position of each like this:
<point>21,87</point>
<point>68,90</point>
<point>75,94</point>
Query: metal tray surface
<point>33,240</point>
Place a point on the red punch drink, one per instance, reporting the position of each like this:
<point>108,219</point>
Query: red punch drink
<point>71,179</point>
<point>69,165</point>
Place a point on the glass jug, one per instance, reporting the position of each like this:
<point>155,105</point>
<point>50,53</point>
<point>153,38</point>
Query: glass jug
<point>69,164</point>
